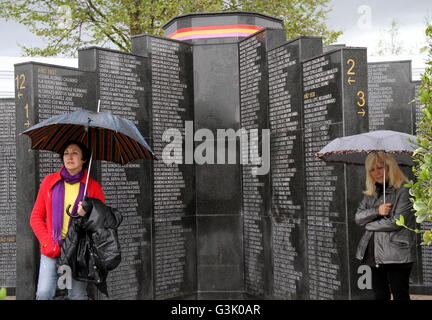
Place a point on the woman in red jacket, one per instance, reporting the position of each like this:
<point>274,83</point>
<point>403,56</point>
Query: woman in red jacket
<point>50,222</point>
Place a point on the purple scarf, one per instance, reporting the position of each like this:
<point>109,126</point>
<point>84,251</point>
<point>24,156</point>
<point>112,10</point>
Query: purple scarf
<point>58,194</point>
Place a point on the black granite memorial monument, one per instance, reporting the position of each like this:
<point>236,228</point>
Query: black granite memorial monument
<point>170,88</point>
<point>219,197</point>
<point>237,206</point>
<point>254,114</point>
<point>288,221</point>
<point>390,96</point>
<point>41,91</point>
<point>7,196</point>
<point>120,87</point>
<point>334,105</point>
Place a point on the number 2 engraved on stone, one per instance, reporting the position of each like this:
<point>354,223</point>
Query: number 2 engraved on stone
<point>352,63</point>
<point>350,71</point>
<point>361,96</point>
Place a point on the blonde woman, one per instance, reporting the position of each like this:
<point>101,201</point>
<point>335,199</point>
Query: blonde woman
<point>385,246</point>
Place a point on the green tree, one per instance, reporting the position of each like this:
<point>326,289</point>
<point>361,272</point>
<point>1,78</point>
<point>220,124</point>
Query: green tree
<point>391,44</point>
<point>421,190</point>
<point>70,24</point>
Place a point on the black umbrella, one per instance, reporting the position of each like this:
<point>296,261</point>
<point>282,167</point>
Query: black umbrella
<point>109,137</point>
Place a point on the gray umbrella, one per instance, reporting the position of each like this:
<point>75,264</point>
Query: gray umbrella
<point>354,149</point>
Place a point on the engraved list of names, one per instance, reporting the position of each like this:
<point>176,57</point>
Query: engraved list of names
<point>173,228</point>
<point>252,103</point>
<point>121,91</point>
<point>286,170</point>
<point>59,91</point>
<point>389,85</point>
<point>7,194</point>
<point>319,77</point>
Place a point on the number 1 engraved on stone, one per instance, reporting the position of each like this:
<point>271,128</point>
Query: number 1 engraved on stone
<point>27,123</point>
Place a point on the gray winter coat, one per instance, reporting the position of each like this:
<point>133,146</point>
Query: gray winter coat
<point>393,244</point>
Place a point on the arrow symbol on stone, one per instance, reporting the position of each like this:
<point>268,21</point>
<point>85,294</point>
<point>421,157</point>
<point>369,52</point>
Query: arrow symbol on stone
<point>350,81</point>
<point>362,112</point>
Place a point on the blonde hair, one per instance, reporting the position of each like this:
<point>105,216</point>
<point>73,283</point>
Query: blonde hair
<point>394,173</point>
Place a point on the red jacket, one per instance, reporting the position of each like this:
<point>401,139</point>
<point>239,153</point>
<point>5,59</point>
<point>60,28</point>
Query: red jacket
<point>41,216</point>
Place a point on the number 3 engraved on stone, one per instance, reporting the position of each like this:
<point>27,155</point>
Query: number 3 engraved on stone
<point>362,101</point>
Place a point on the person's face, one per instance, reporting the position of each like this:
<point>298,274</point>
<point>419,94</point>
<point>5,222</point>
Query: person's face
<point>73,159</point>
<point>377,171</point>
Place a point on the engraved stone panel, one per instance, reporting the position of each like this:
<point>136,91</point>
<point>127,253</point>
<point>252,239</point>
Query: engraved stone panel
<point>7,194</point>
<point>255,185</point>
<point>335,104</point>
<point>121,90</point>
<point>287,166</point>
<point>171,101</point>
<point>41,91</point>
<point>389,96</point>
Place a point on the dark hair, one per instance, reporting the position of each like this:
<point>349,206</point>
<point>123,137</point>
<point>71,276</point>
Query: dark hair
<point>85,152</point>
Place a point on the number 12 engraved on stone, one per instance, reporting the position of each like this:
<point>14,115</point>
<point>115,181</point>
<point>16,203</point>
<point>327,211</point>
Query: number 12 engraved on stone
<point>20,80</point>
<point>20,85</point>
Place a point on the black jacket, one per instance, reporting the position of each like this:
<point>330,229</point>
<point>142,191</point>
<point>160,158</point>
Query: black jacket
<point>91,247</point>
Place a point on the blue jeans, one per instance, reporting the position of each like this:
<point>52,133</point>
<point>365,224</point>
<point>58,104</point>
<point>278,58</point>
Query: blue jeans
<point>48,278</point>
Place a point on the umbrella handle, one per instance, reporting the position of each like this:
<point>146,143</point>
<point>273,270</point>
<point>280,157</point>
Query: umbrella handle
<point>70,214</point>
<point>91,158</point>
<point>384,178</point>
<point>88,174</point>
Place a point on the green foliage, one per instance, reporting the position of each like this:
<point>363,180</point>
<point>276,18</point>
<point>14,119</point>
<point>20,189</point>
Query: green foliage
<point>427,21</point>
<point>67,25</point>
<point>301,17</point>
<point>421,190</point>
<point>391,44</point>
<point>2,293</point>
<point>400,221</point>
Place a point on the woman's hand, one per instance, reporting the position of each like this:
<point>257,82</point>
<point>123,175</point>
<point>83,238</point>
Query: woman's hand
<point>384,209</point>
<point>80,210</point>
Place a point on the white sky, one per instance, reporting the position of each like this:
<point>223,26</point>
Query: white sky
<point>363,22</point>
<point>352,17</point>
<point>344,16</point>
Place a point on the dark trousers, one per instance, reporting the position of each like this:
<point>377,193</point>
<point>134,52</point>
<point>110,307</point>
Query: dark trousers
<point>391,278</point>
